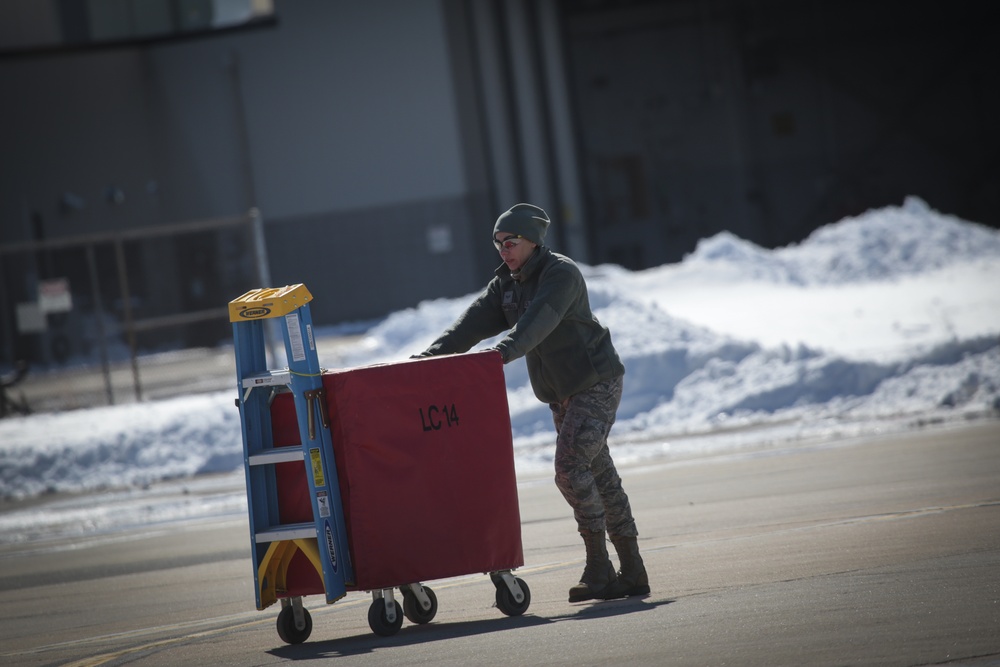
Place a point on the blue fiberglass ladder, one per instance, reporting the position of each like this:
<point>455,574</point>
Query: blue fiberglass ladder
<point>273,544</point>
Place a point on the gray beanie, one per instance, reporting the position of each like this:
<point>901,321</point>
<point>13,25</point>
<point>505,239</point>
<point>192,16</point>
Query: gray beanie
<point>524,220</point>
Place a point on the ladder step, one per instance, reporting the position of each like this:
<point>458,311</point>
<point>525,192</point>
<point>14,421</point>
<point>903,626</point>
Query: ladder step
<point>291,531</point>
<point>268,378</point>
<point>279,455</point>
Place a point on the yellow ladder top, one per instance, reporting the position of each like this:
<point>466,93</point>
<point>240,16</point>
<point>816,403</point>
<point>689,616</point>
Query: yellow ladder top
<point>259,304</point>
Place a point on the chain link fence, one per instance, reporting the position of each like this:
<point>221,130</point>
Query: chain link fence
<point>119,317</point>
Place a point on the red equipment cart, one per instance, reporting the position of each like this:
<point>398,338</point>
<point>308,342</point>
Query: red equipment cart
<point>345,466</point>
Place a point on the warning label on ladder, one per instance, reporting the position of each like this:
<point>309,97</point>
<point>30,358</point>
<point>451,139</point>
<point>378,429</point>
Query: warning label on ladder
<point>295,341</point>
<point>317,467</point>
<point>323,503</point>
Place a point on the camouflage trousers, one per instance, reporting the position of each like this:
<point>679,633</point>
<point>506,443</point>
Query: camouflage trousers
<point>585,473</point>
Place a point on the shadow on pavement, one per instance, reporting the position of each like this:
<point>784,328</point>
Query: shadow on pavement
<point>432,632</point>
<point>608,608</point>
<point>408,636</point>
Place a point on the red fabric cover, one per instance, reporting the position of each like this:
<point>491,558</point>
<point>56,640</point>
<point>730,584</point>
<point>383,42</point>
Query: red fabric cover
<point>302,578</point>
<point>294,505</point>
<point>284,425</point>
<point>426,468</point>
<point>425,464</point>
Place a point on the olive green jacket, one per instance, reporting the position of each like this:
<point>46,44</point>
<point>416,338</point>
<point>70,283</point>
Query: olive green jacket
<point>546,309</point>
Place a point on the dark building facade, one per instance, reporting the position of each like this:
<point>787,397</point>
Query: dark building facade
<point>378,141</point>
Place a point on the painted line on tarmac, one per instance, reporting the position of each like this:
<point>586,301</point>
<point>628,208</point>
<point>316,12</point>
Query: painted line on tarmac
<point>903,514</point>
<point>103,658</point>
<point>769,530</point>
<point>97,660</point>
<point>106,657</point>
<point>132,634</point>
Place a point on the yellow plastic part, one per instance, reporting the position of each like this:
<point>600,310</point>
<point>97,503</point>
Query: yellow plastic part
<point>272,574</point>
<point>259,304</point>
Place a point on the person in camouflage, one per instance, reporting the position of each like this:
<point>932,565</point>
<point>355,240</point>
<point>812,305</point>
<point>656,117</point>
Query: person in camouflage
<point>540,299</point>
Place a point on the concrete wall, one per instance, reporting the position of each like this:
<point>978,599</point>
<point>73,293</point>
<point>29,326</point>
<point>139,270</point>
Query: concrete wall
<point>339,124</point>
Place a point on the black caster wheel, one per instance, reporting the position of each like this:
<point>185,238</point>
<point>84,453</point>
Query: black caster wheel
<point>415,612</point>
<point>286,626</point>
<point>379,622</point>
<point>506,602</point>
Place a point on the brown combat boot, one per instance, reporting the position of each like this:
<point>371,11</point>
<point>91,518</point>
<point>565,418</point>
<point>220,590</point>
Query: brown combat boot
<point>598,574</point>
<point>631,578</point>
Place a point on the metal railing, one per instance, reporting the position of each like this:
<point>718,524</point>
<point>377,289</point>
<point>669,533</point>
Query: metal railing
<point>123,304</point>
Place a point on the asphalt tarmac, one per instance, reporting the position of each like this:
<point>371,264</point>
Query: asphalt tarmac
<point>882,551</point>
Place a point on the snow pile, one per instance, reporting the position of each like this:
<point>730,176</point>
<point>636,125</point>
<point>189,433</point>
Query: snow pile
<point>886,321</point>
